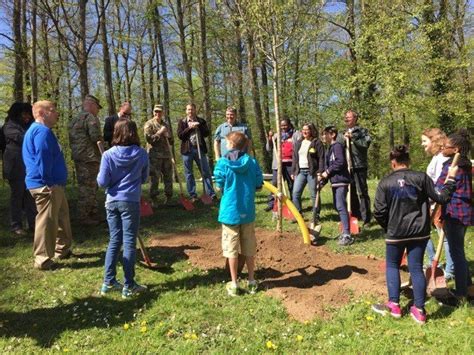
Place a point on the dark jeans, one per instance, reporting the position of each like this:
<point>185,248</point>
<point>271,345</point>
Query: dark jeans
<point>124,219</point>
<point>455,234</point>
<point>286,174</point>
<point>394,254</point>
<point>21,200</point>
<point>339,195</point>
<point>205,173</point>
<point>362,208</point>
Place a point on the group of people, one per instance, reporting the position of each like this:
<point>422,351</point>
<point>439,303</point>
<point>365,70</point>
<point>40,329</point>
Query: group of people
<point>35,167</point>
<point>306,162</point>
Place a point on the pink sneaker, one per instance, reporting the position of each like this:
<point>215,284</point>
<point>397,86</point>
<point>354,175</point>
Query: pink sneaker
<point>389,307</point>
<point>419,315</point>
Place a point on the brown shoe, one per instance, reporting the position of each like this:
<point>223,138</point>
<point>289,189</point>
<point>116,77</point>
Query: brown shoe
<point>65,256</point>
<point>46,266</point>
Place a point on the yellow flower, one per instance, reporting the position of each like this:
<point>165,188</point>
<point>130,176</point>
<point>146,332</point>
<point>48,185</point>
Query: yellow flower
<point>170,333</point>
<point>187,335</point>
<point>306,322</point>
<point>194,336</point>
<point>143,329</point>
<point>143,323</point>
<point>65,350</point>
<point>126,326</point>
<point>299,338</point>
<point>270,345</point>
<point>369,318</point>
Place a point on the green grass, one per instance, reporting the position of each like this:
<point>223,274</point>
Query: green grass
<point>187,309</point>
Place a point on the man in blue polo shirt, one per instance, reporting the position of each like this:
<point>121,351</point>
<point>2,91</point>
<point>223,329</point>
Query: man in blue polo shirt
<point>46,177</point>
<point>231,125</point>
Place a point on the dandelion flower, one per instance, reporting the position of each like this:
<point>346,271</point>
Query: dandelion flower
<point>299,338</point>
<point>194,336</point>
<point>270,345</point>
<point>143,329</point>
<point>369,318</point>
<point>126,326</point>
<point>143,323</point>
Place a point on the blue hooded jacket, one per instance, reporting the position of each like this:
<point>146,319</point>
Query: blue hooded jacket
<point>238,176</point>
<point>122,171</point>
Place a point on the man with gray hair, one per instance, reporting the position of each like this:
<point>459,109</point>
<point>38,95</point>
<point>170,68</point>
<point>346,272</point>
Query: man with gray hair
<point>46,177</point>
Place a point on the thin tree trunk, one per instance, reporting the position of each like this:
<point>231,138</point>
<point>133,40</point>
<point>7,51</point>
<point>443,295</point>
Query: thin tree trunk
<point>205,73</point>
<point>24,46</point>
<point>296,90</point>
<point>240,77</point>
<point>266,105</point>
<point>256,101</point>
<point>144,98</point>
<point>48,78</point>
<point>82,55</point>
<point>184,53</point>
<point>109,89</point>
<point>34,44</point>
<point>151,74</point>
<point>18,76</point>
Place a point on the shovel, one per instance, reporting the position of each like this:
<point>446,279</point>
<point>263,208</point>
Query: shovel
<point>188,205</point>
<point>315,229</point>
<point>435,275</point>
<point>353,222</point>
<point>205,198</point>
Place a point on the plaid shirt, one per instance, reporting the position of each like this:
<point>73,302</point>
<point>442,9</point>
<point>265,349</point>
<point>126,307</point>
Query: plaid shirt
<point>460,206</point>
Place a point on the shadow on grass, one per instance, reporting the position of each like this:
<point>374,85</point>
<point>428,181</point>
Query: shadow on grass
<point>165,257</point>
<point>307,280</point>
<point>45,325</point>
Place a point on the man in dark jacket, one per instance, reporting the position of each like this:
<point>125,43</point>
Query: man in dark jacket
<point>125,112</point>
<point>360,140</point>
<point>191,131</point>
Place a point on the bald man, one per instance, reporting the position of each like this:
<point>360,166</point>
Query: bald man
<point>125,112</point>
<point>46,177</point>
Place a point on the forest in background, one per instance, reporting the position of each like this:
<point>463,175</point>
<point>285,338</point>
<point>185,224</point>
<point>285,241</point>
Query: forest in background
<point>404,65</point>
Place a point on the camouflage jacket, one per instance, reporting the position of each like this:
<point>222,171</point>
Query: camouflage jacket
<point>84,133</point>
<point>157,144</point>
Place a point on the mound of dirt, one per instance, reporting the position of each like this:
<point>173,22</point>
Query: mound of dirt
<point>309,280</point>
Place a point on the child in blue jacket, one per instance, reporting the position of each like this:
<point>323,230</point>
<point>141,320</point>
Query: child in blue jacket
<point>123,169</point>
<point>238,176</point>
<point>337,172</point>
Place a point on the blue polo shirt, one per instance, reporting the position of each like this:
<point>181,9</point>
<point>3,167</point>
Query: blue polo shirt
<point>224,129</point>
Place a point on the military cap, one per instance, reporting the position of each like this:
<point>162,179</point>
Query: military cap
<point>158,108</point>
<point>93,99</point>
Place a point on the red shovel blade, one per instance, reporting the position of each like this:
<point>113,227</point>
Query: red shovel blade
<point>145,208</point>
<point>354,225</point>
<point>286,213</point>
<point>206,199</point>
<point>188,205</point>
<point>434,280</point>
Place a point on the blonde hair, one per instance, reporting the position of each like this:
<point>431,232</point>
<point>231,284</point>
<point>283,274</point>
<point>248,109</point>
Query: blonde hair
<point>40,106</point>
<point>437,138</point>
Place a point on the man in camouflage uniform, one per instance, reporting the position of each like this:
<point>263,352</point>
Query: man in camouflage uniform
<point>157,135</point>
<point>84,133</point>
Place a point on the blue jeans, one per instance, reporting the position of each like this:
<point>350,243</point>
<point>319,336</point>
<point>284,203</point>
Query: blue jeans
<point>455,233</point>
<point>303,178</point>
<point>124,219</point>
<point>205,174</point>
<point>431,251</point>
<point>394,254</point>
<point>339,195</point>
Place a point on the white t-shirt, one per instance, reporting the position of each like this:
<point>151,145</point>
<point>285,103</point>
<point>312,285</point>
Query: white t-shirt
<point>303,154</point>
<point>436,166</point>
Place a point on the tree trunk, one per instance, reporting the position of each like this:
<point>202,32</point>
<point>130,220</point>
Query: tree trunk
<point>24,46</point>
<point>144,99</point>
<point>18,76</point>
<point>82,55</point>
<point>276,104</point>
<point>184,53</point>
<point>34,44</point>
<point>109,89</point>
<point>256,101</point>
<point>266,105</point>
<point>205,74</point>
<point>240,76</point>
<point>151,74</point>
<point>296,90</point>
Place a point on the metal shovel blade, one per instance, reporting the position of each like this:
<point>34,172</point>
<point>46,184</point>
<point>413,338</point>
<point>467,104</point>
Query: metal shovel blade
<point>434,281</point>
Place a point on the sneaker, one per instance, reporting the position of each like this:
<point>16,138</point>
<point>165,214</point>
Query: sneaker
<point>419,315</point>
<point>114,286</point>
<point>46,266</point>
<point>392,307</point>
<point>232,290</point>
<point>136,289</point>
<point>253,287</point>
<point>345,240</point>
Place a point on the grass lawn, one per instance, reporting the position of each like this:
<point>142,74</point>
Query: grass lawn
<point>187,309</point>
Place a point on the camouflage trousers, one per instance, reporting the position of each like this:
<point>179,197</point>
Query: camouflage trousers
<point>87,189</point>
<point>161,167</point>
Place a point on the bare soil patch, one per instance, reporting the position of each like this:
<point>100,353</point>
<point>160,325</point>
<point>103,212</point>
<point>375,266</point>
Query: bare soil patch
<point>309,280</point>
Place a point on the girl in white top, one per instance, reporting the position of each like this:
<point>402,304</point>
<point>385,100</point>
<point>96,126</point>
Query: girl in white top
<point>432,140</point>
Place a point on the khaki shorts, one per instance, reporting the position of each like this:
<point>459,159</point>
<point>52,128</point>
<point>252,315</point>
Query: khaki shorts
<point>238,239</point>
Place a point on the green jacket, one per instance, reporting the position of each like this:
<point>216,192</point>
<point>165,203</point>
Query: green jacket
<point>157,144</point>
<point>84,133</point>
<point>360,143</point>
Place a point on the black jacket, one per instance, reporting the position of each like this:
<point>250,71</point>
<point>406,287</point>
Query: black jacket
<point>336,165</point>
<point>315,157</point>
<point>360,143</point>
<point>402,206</point>
<point>109,126</point>
<point>13,166</point>
<point>184,133</point>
